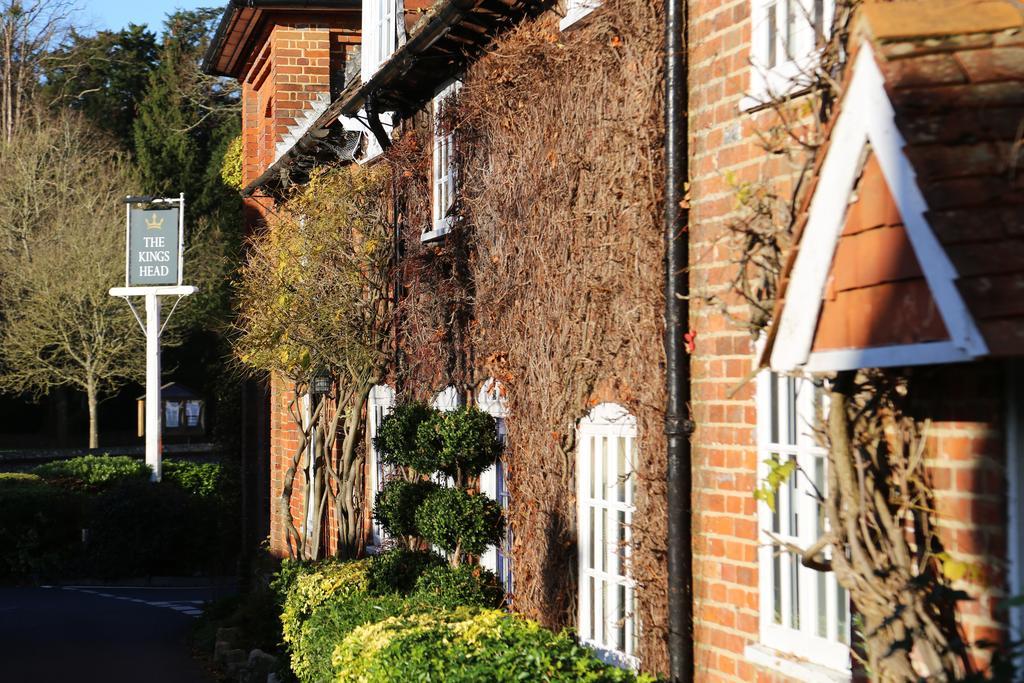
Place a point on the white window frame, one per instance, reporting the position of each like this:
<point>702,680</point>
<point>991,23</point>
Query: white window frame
<point>494,483</point>
<point>442,169</point>
<point>604,562</point>
<point>378,406</point>
<point>380,34</point>
<point>576,10</point>
<point>1015,494</point>
<point>800,644</point>
<point>795,47</point>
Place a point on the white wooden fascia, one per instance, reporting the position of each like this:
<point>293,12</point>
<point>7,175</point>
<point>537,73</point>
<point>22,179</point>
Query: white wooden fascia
<point>867,117</point>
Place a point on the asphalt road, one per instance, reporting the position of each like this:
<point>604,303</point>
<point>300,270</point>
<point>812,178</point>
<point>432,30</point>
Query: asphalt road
<point>103,634</point>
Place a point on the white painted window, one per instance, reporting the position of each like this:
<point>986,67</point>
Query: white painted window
<point>605,493</point>
<point>380,34</point>
<point>192,412</point>
<point>172,414</point>
<point>379,405</point>
<point>494,483</point>
<point>805,614</point>
<point>443,168</point>
<point>576,10</point>
<point>786,39</point>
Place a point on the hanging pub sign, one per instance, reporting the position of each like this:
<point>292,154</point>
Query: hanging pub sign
<point>154,245</point>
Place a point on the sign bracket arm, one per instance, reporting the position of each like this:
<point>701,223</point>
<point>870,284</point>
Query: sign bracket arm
<point>169,314</point>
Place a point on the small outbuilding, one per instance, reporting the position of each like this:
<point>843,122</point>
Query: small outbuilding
<point>183,411</point>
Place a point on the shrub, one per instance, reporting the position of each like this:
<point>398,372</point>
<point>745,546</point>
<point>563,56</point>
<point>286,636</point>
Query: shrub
<point>231,166</point>
<point>94,473</point>
<point>315,583</point>
<point>399,570</point>
<point>396,439</point>
<point>324,601</point>
<point>467,644</point>
<point>40,526</point>
<point>201,479</point>
<point>459,522</point>
<point>396,505</point>
<point>463,442</point>
<point>140,529</point>
<point>466,585</point>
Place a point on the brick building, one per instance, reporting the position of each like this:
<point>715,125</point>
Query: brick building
<point>907,252</point>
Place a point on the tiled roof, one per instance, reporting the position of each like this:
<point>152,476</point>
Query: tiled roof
<point>953,71</point>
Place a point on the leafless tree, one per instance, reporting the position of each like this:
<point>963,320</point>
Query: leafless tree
<point>28,30</point>
<point>61,249</point>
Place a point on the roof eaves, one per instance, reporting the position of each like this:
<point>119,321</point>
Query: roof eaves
<point>209,65</point>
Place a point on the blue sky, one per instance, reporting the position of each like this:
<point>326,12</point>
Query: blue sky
<point>116,14</point>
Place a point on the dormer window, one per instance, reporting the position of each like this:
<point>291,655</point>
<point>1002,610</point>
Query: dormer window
<point>380,34</point>
<point>787,37</point>
<point>443,167</point>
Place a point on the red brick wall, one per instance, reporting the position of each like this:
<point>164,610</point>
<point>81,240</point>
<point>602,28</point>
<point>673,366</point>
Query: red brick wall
<point>967,464</point>
<point>723,151</point>
<point>966,448</point>
<point>300,58</point>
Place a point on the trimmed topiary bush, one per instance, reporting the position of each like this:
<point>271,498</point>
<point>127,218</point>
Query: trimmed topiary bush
<point>396,439</point>
<point>396,505</point>
<point>466,585</point>
<point>463,443</point>
<point>467,644</point>
<point>399,570</point>
<point>94,473</point>
<point>459,522</point>
<point>40,526</point>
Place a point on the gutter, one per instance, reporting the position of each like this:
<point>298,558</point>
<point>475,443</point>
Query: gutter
<point>678,425</point>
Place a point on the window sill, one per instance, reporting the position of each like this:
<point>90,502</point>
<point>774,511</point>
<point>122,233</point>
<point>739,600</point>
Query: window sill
<point>437,233</point>
<point>789,665</point>
<point>613,657</point>
<point>575,14</point>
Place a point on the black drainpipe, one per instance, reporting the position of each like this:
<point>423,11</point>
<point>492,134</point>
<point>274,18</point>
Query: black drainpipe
<point>678,425</point>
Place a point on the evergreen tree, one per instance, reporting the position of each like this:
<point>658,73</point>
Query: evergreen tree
<point>104,76</point>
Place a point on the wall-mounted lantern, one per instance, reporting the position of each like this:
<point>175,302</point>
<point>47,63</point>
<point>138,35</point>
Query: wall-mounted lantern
<point>321,383</point>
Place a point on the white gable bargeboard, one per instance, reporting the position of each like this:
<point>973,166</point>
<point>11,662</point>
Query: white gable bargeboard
<point>867,118</point>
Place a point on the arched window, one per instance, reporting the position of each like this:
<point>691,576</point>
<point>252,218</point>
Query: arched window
<point>380,403</point>
<point>606,459</point>
<point>494,482</point>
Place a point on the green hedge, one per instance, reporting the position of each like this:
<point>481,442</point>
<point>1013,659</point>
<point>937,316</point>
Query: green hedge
<point>466,644</point>
<point>40,526</point>
<point>335,630</point>
<point>93,473</point>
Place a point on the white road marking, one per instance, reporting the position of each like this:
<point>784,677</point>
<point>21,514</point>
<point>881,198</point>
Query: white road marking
<point>180,606</point>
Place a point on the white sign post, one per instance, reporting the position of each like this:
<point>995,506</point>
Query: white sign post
<point>154,244</point>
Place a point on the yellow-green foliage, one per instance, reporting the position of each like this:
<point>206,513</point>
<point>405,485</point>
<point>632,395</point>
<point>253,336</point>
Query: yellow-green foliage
<point>466,644</point>
<point>231,167</point>
<point>316,289</point>
<point>311,590</point>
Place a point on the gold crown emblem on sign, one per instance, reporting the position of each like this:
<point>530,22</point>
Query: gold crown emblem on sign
<point>154,222</point>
